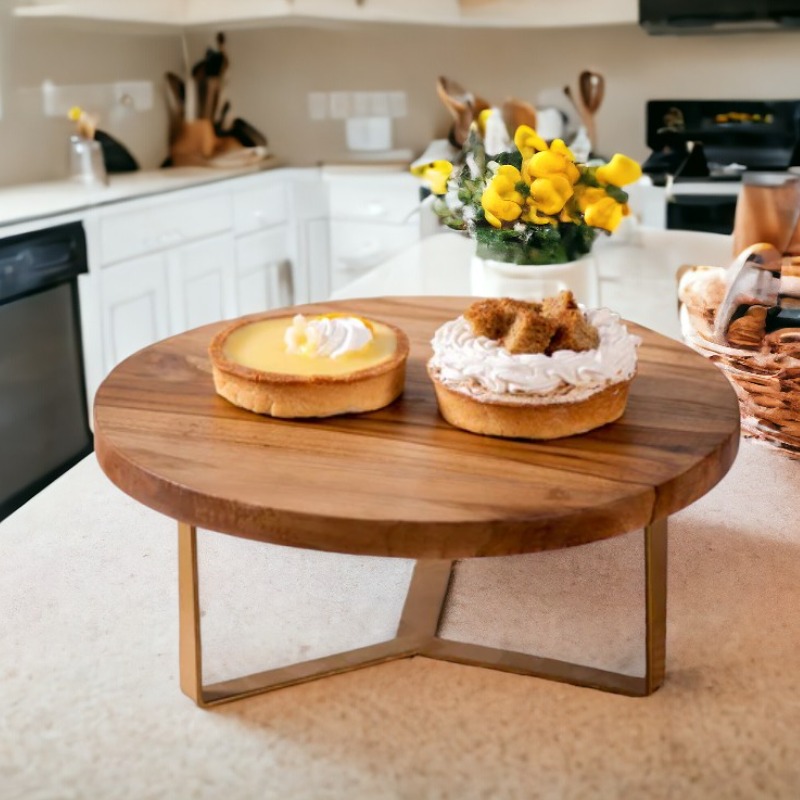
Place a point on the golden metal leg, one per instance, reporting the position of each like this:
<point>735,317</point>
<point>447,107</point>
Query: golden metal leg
<point>655,565</point>
<point>416,635</point>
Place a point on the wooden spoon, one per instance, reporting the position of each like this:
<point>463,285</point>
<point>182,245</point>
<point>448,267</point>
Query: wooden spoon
<point>516,113</point>
<point>463,106</point>
<point>592,91</point>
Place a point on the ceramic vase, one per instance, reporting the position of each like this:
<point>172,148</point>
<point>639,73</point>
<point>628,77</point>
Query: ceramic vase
<point>490,278</point>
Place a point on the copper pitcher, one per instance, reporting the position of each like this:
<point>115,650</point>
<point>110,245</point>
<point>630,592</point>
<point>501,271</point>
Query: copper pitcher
<point>768,210</point>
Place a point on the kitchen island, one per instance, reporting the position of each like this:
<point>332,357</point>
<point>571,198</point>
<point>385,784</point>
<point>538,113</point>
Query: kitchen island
<point>90,653</point>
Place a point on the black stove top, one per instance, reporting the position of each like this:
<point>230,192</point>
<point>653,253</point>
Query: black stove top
<point>718,140</point>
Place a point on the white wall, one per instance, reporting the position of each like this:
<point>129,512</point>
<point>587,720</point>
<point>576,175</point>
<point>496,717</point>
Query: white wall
<point>273,70</point>
<point>34,147</point>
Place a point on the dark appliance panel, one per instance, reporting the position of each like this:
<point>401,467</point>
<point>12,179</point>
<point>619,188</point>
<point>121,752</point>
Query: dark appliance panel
<point>43,417</point>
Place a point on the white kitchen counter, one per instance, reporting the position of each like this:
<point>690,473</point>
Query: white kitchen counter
<point>50,198</point>
<point>89,661</point>
<point>637,271</point>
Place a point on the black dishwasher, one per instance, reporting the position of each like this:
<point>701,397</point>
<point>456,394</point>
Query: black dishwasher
<point>44,426</point>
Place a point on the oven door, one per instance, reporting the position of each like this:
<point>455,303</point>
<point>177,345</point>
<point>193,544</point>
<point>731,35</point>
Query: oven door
<point>712,213</point>
<point>43,424</point>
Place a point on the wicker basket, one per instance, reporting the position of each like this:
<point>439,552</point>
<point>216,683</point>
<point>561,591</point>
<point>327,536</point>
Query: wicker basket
<point>766,381</point>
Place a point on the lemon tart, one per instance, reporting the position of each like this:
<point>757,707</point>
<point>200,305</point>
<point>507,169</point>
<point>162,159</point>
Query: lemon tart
<point>309,366</point>
<point>532,370</point>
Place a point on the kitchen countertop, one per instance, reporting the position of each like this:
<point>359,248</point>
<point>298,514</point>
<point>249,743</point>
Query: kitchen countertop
<point>637,269</point>
<point>49,198</point>
<point>89,665</point>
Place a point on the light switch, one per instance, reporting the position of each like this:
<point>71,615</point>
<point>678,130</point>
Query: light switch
<point>361,104</point>
<point>378,104</point>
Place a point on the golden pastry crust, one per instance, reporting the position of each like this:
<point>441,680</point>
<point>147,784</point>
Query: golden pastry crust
<point>294,396</point>
<point>533,421</point>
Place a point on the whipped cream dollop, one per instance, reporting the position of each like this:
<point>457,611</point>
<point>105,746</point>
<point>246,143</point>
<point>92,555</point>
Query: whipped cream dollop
<point>478,365</point>
<point>326,337</point>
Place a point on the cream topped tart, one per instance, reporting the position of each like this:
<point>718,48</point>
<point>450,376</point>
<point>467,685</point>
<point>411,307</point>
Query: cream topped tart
<point>533,370</point>
<point>309,366</point>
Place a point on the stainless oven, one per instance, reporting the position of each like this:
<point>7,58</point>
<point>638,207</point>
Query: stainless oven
<point>43,419</point>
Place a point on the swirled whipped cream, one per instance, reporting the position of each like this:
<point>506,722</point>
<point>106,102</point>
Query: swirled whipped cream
<point>326,337</point>
<point>482,367</point>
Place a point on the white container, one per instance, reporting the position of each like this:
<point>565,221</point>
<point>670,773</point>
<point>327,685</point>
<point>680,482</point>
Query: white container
<point>489,278</point>
<point>86,161</point>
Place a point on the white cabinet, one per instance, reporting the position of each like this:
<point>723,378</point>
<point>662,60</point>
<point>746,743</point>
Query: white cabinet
<point>373,216</point>
<point>134,300</point>
<point>202,284</point>
<point>263,276</point>
<point>170,262</point>
<point>178,14</point>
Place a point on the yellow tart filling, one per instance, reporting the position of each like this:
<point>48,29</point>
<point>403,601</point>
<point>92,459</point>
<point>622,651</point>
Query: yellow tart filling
<point>261,346</point>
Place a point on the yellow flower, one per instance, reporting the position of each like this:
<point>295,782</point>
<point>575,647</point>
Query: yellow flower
<point>555,160</point>
<point>620,171</point>
<point>434,174</point>
<point>528,141</point>
<point>482,118</point>
<point>550,194</point>
<point>75,113</point>
<point>501,200</point>
<point>606,213</point>
<point>587,195</point>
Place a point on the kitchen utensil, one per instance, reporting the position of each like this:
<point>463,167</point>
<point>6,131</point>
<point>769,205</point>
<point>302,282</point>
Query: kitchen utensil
<point>219,124</point>
<point>592,90</point>
<point>754,278</point>
<point>463,106</point>
<point>115,155</point>
<point>518,112</point>
<point>176,98</point>
<point>767,210</point>
<point>246,134</point>
<point>86,161</point>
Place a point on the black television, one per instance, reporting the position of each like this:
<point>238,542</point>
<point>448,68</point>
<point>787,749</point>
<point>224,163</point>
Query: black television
<point>717,16</point>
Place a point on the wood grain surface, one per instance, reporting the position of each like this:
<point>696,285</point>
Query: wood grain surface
<point>401,481</point>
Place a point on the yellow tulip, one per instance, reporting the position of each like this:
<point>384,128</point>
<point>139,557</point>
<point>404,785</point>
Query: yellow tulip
<point>434,175</point>
<point>74,113</point>
<point>620,171</point>
<point>528,141</point>
<point>501,200</point>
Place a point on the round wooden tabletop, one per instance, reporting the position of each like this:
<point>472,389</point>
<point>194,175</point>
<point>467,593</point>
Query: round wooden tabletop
<point>401,481</point>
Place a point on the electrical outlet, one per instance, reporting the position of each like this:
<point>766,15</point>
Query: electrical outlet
<point>317,105</point>
<point>398,105</point>
<point>339,104</point>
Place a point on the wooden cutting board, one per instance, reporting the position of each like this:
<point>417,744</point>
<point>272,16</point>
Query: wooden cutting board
<point>401,481</point>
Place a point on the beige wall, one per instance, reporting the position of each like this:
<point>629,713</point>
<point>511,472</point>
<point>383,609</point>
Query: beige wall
<point>33,147</point>
<point>273,70</point>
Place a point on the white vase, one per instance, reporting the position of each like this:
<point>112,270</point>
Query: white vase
<point>489,278</point>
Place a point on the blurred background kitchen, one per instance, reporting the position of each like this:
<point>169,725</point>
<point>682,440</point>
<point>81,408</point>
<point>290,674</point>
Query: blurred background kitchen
<point>279,60</point>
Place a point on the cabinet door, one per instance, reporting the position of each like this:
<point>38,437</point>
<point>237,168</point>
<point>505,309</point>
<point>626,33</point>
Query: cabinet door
<point>202,283</point>
<point>134,305</point>
<point>263,271</point>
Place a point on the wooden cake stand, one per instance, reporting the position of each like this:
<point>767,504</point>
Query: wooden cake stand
<point>402,482</point>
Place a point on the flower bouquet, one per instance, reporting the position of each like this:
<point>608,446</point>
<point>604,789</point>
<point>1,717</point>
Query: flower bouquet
<point>531,204</point>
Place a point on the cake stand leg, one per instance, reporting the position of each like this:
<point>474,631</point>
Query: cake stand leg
<point>408,641</point>
<point>655,567</point>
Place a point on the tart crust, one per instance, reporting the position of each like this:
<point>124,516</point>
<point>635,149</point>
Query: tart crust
<point>533,420</point>
<point>292,396</point>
